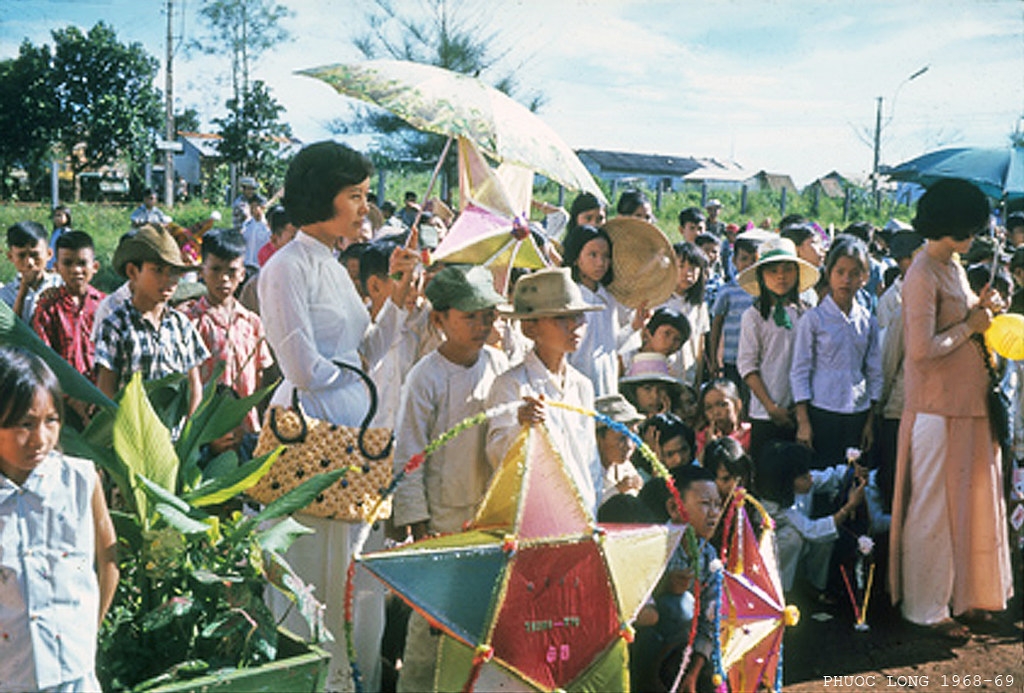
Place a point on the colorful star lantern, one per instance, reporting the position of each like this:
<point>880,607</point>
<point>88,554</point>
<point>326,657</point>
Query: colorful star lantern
<point>533,594</point>
<point>752,614</point>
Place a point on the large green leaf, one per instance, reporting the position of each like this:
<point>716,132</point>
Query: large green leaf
<point>82,445</point>
<point>231,484</point>
<point>143,442</point>
<point>176,512</point>
<point>279,536</point>
<point>293,501</point>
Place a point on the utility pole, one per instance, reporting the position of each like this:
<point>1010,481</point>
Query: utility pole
<point>169,134</point>
<point>878,147</point>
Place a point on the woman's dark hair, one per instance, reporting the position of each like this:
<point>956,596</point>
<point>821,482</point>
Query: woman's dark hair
<point>315,177</point>
<point>846,245</point>
<point>952,207</point>
<point>630,201</point>
<point>224,244</point>
<point>22,374</point>
<point>727,452</point>
<point>778,466</point>
<point>688,252</point>
<point>584,202</point>
<point>763,301</point>
<point>575,239</point>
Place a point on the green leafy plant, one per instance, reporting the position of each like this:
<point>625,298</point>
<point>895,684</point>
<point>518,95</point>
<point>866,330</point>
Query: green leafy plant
<point>194,566</point>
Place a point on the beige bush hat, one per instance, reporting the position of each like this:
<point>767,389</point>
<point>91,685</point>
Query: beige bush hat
<point>643,262</point>
<point>777,249</point>
<point>546,293</point>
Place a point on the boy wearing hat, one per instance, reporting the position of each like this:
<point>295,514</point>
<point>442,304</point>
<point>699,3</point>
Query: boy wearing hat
<point>650,386</point>
<point>240,212</point>
<point>446,386</point>
<point>145,334</point>
<point>550,307</point>
<point>615,448</point>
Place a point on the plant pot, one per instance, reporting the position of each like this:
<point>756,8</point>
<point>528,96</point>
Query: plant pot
<point>299,667</point>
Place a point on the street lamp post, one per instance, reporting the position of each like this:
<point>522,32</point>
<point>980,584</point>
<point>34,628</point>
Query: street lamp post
<point>878,128</point>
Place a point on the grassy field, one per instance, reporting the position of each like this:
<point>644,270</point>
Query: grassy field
<point>107,222</point>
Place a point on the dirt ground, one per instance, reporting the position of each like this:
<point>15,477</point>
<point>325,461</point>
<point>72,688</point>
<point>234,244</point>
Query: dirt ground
<point>896,656</point>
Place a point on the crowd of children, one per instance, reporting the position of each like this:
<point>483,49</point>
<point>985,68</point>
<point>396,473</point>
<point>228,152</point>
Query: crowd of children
<point>769,367</point>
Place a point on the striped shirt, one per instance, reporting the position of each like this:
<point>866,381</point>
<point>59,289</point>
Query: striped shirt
<point>731,302</point>
<point>65,325</point>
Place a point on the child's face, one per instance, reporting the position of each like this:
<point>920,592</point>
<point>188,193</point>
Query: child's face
<point>689,274</point>
<point>690,230</point>
<point>725,482</point>
<point>845,279</point>
<point>676,452</point>
<point>464,330</point>
<point>222,277</point>
<point>687,404</point>
<point>803,483</point>
<point>562,333</point>
<point>287,234</point>
<point>594,260</point>
<point>665,340</point>
<point>30,260</point>
<point>652,398</point>
<point>780,277</point>
<point>76,268</point>
<point>592,217</point>
<point>644,212</point>
<point>613,447</point>
<point>743,259</point>
<point>60,218</point>
<point>722,411</point>
<point>711,250</point>
<point>703,505</point>
<point>152,282</point>
<point>256,209</point>
<point>811,251</point>
<point>26,444</point>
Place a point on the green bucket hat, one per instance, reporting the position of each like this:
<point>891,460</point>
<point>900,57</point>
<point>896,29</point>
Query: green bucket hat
<point>464,287</point>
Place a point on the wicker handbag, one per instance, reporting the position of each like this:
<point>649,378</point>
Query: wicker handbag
<point>314,447</point>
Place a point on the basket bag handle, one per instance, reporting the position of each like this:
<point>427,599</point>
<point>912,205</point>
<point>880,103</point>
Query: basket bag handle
<point>300,437</point>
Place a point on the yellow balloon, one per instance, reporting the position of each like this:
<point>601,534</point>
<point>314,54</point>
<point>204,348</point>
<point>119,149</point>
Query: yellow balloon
<point>1005,336</point>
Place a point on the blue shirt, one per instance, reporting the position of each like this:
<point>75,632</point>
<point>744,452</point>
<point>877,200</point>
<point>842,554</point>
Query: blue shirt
<point>731,302</point>
<point>49,594</point>
<point>837,359</point>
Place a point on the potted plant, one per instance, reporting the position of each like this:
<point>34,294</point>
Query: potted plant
<point>189,612</point>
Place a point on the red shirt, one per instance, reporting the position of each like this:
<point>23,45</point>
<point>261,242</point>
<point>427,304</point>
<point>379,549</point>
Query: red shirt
<point>65,325</point>
<point>264,253</point>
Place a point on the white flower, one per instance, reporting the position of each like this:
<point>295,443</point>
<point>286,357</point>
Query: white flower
<point>865,545</point>
<point>852,455</point>
<point>716,566</point>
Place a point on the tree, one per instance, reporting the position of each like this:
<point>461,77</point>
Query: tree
<point>247,28</point>
<point>28,113</point>
<point>253,136</point>
<point>107,104</point>
<point>187,120</point>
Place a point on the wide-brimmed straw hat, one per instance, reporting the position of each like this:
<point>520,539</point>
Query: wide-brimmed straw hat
<point>777,249</point>
<point>547,293</point>
<point>149,243</point>
<point>643,262</point>
<point>649,366</point>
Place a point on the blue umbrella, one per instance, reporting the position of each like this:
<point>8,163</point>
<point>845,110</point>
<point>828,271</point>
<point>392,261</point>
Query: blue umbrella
<point>998,172</point>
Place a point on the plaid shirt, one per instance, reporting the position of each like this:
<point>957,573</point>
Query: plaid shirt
<point>234,335</point>
<point>127,343</point>
<point>65,325</point>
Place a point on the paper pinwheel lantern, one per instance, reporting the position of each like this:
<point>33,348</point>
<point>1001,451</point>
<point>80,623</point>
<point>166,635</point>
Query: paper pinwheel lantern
<point>533,594</point>
<point>753,614</point>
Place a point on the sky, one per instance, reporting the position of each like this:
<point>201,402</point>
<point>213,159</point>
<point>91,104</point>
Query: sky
<point>788,86</point>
